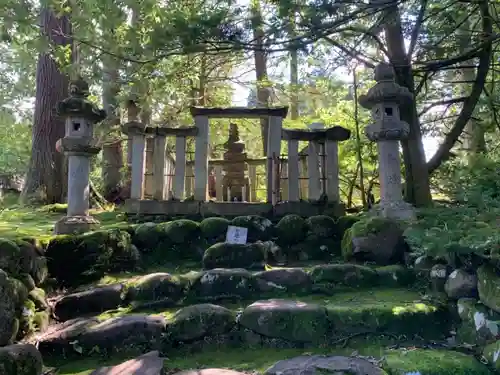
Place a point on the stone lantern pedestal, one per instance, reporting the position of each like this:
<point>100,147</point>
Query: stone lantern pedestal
<point>387,130</point>
<point>77,144</point>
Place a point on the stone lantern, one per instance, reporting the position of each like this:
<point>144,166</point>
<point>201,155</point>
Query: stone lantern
<point>78,146</point>
<point>388,130</point>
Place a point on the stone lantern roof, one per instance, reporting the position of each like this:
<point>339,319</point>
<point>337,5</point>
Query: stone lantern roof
<point>77,104</point>
<point>386,90</point>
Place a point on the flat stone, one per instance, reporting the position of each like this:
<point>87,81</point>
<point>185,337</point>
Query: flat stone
<point>147,364</point>
<point>210,371</point>
<point>286,319</point>
<point>91,301</point>
<point>318,365</point>
<point>20,359</point>
<point>120,332</point>
<point>286,278</point>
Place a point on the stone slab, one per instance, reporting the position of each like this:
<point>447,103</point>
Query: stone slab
<point>75,224</point>
<point>147,364</point>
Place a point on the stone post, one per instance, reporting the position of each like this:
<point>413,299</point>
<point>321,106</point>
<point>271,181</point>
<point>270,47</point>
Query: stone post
<point>201,158</point>
<point>388,130</point>
<point>79,147</point>
<point>293,170</point>
<point>135,130</point>
<point>273,154</point>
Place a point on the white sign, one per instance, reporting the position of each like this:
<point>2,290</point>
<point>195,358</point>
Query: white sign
<point>236,235</point>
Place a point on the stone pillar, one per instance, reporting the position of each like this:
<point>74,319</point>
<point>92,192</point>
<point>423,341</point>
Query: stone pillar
<point>180,167</point>
<point>252,175</point>
<point>332,171</point>
<point>78,145</point>
<point>284,181</point>
<point>293,170</point>
<point>149,167</point>
<point>313,171</point>
<point>189,180</point>
<point>201,158</point>
<point>388,130</point>
<point>159,158</point>
<point>273,155</point>
<point>219,192</point>
<point>136,131</point>
<point>304,188</point>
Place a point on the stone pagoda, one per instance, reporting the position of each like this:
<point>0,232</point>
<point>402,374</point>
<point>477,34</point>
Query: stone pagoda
<point>387,130</point>
<point>234,181</point>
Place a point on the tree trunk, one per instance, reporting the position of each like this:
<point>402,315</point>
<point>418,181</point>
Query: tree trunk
<point>46,173</point>
<point>417,189</point>
<point>260,68</point>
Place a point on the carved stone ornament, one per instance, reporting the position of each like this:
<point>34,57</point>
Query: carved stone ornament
<point>394,130</point>
<point>77,104</point>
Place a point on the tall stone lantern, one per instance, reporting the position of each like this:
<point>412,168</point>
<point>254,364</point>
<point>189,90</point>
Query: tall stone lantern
<point>388,130</point>
<point>81,115</point>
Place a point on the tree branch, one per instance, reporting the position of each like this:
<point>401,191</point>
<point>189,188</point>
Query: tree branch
<point>442,102</point>
<point>416,30</point>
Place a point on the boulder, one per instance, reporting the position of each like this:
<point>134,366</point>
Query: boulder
<point>259,228</point>
<point>492,354</point>
<point>438,276</point>
<point>40,270</point>
<point>115,334</point>
<point>423,264</point>
<point>322,226</point>
<point>9,303</point>
<point>320,364</point>
<point>220,284</point>
<point>75,260</point>
<point>92,301</point>
<point>28,255</point>
<point>158,287</point>
<point>21,359</point>
<point>227,255</point>
<point>461,284</point>
<point>375,239</point>
<point>147,364</point>
<point>286,279</point>
<point>489,286</point>
<point>295,321</point>
<point>10,257</point>
<point>291,229</point>
<point>197,321</point>
<point>147,236</point>
<point>214,229</point>
<point>327,276</point>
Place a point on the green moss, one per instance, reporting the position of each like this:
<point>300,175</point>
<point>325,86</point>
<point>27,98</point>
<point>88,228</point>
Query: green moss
<point>226,255</point>
<point>10,256</point>
<point>60,208</point>
<point>322,226</point>
<point>214,228</point>
<point>432,362</point>
<point>395,275</point>
<point>372,225</point>
<point>492,354</point>
<point>181,231</point>
<point>348,275</point>
<point>291,229</point>
<point>156,287</point>
<point>346,245</point>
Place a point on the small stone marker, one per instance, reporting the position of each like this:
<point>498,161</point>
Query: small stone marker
<point>147,364</point>
<point>236,235</point>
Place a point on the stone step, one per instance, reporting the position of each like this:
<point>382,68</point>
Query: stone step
<point>367,361</point>
<point>223,284</point>
<point>308,321</point>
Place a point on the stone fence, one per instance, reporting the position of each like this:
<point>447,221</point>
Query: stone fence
<point>300,175</point>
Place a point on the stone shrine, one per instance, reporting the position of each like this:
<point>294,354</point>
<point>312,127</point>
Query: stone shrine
<point>234,181</point>
<point>387,130</point>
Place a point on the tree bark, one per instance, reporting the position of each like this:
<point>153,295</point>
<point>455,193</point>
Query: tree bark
<point>46,174</point>
<point>260,68</point>
<point>417,189</point>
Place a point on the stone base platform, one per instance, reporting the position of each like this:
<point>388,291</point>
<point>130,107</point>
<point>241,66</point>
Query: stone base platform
<point>192,208</point>
<point>75,224</point>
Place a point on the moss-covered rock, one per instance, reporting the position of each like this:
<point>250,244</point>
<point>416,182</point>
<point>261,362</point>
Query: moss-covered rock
<point>28,255</point>
<point>286,279</point>
<point>74,260</point>
<point>147,236</point>
<point>346,222</point>
<point>9,302</point>
<point>313,248</point>
<point>27,280</point>
<point>227,255</point>
<point>489,286</point>
<point>492,354</point>
<point>20,359</point>
<point>395,275</point>
<point>39,297</point>
<point>481,324</point>
<point>181,231</point>
<point>289,320</point>
<point>432,362</point>
<point>322,226</point>
<point>259,228</point>
<point>343,275</point>
<point>461,284</point>
<point>291,229</point>
<point>214,228</point>
<point>157,288</point>
<point>197,321</point>
<point>375,239</point>
<point>10,257</point>
<point>223,284</point>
